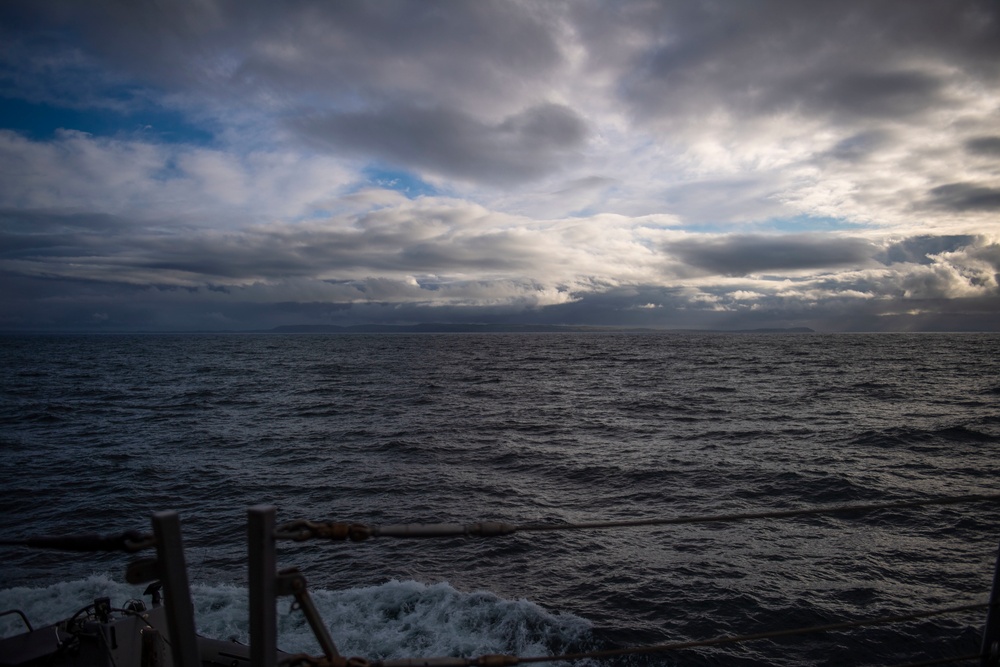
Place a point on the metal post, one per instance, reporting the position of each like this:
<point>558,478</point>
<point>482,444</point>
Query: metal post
<point>262,574</point>
<point>990,651</point>
<point>173,572</point>
<point>291,582</point>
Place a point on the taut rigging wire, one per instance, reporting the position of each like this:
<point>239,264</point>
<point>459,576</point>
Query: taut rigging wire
<point>300,529</point>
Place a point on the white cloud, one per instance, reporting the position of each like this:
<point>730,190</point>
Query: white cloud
<point>631,156</point>
<point>156,182</point>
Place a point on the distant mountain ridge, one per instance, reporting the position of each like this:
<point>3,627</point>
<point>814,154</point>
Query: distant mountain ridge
<point>431,327</point>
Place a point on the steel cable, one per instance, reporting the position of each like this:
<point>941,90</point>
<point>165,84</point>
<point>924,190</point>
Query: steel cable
<point>300,530</point>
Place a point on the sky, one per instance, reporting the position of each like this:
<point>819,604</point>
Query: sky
<point>241,164</point>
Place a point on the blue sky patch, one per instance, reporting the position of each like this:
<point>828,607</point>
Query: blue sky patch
<point>401,181</point>
<point>40,122</point>
<point>799,224</point>
<point>809,223</point>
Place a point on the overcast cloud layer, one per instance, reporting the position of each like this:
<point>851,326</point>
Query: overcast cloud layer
<point>211,164</point>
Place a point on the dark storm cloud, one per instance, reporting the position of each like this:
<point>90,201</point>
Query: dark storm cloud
<point>851,59</point>
<point>615,133</point>
<point>768,54</point>
<point>40,233</point>
<point>919,249</point>
<point>965,197</point>
<point>989,146</point>
<point>989,253</point>
<point>395,81</point>
<point>867,94</point>
<point>55,243</point>
<point>742,254</point>
<point>111,249</point>
<point>860,146</point>
<point>392,56</point>
<point>927,268</point>
<point>521,147</point>
<point>348,50</point>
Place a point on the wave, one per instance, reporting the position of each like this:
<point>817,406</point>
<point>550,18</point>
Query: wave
<point>397,619</point>
<point>915,439</point>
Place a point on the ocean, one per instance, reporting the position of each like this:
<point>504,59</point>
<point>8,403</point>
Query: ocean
<point>100,431</point>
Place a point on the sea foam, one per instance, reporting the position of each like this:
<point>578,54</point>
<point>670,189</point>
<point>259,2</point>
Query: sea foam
<point>397,619</point>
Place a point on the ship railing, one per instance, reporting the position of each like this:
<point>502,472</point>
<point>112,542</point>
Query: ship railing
<point>267,583</point>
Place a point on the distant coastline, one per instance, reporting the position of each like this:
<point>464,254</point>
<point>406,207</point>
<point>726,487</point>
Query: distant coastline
<point>427,327</point>
<point>502,328</point>
<point>442,327</point>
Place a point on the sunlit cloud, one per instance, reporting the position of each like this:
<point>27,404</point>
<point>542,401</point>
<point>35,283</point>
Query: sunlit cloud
<point>668,164</point>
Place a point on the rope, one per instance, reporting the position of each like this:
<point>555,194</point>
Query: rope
<point>508,660</point>
<point>770,514</point>
<point>300,530</point>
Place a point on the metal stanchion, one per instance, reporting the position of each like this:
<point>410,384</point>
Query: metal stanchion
<point>173,573</point>
<point>990,651</point>
<point>262,574</point>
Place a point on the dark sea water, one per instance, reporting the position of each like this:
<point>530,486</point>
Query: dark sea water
<point>98,432</point>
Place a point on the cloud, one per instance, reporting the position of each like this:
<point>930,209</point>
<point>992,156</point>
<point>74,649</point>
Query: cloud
<point>79,172</point>
<point>988,146</point>
<point>642,163</point>
<point>852,59</point>
<point>922,249</point>
<point>844,110</point>
<point>272,56</point>
<point>966,197</point>
<point>520,148</point>
<point>879,94</point>
<point>742,254</point>
<point>442,242</point>
<point>860,146</point>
